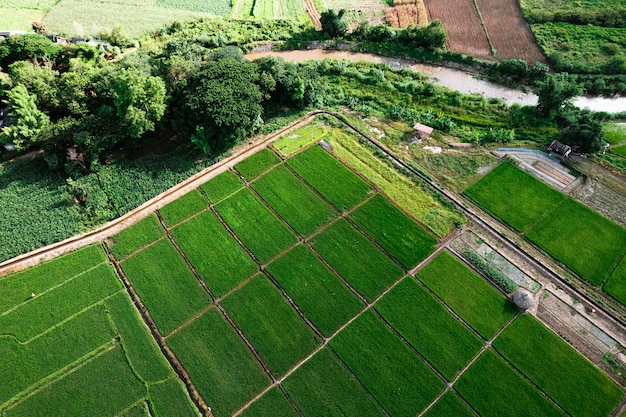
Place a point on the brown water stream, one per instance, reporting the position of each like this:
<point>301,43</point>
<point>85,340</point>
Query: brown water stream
<point>448,77</point>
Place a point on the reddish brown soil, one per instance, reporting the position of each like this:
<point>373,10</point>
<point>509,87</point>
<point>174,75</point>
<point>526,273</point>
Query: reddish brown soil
<point>509,31</point>
<point>461,22</point>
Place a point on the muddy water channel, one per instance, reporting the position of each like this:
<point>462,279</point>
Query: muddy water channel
<point>448,77</point>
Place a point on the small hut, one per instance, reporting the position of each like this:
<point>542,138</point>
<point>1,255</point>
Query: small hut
<point>560,148</point>
<point>422,131</point>
<point>523,298</point>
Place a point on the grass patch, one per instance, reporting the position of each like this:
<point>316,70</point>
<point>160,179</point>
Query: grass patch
<point>74,394</point>
<point>221,186</point>
<point>217,8</point>
<point>169,398</point>
<point>255,224</point>
<point>415,198</point>
<point>582,239</point>
<point>449,405</point>
<point>17,288</point>
<point>19,18</point>
<point>336,182</point>
<point>321,296</point>
<point>560,371</point>
<point>22,365</point>
<point>399,235</point>
<point>322,387</point>
<point>620,150</point>
<point>256,164</point>
<point>429,327</point>
<point>273,327</point>
<point>299,138</point>
<point>214,253</point>
<point>272,403</point>
<point>468,294</point>
<point>399,379</point>
<point>614,132</point>
<point>136,236</point>
<point>166,285</point>
<point>365,267</point>
<point>296,203</point>
<point>183,207</point>
<point>514,196</point>
<point>220,364</point>
<point>495,389</point>
<point>143,354</point>
<point>616,284</point>
<point>45,310</point>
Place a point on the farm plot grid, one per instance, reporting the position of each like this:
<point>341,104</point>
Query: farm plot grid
<point>330,323</point>
<point>590,245</point>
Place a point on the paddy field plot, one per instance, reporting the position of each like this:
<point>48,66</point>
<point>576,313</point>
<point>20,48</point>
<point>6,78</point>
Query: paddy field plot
<point>564,374</point>
<point>183,207</point>
<point>256,164</point>
<point>514,196</point>
<point>616,284</point>
<point>221,186</point>
<point>300,138</point>
<point>582,239</point>
<point>136,236</point>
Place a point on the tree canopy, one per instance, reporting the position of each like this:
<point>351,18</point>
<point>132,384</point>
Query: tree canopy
<point>554,92</point>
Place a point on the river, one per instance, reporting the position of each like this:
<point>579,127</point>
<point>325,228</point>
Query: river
<point>448,77</point>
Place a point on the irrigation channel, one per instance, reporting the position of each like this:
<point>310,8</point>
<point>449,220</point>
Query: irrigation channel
<point>601,317</point>
<point>452,78</point>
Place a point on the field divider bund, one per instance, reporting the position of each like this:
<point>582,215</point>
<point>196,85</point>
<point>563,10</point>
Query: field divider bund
<point>193,392</point>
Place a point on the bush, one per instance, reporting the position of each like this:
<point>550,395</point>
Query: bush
<point>504,282</point>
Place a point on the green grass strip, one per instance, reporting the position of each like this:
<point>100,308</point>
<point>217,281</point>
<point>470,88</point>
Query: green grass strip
<point>170,398</point>
<point>356,259</point>
<point>514,196</point>
<point>24,365</point>
<point>183,207</point>
<point>619,150</point>
<point>494,390</point>
<point>272,404</point>
<point>166,285</point>
<point>221,186</point>
<point>103,386</point>
<point>220,364</point>
<point>299,138</point>
<point>614,132</point>
<point>215,254</point>
<point>449,405</point>
<point>321,296</point>
<point>257,227</point>
<point>404,239</point>
<point>256,164</point>
<point>582,239</point>
<point>323,387</point>
<point>468,294</point>
<point>293,200</point>
<point>331,178</point>
<point>17,288</point>
<point>140,348</point>
<point>558,369</point>
<point>429,327</point>
<point>50,308</point>
<point>138,410</point>
<point>616,284</point>
<point>273,327</point>
<point>399,379</point>
<point>136,236</point>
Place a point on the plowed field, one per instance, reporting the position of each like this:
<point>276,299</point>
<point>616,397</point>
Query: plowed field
<point>509,31</point>
<point>461,22</point>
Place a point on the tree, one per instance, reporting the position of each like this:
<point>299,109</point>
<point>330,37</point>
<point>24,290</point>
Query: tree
<point>333,24</point>
<point>554,92</point>
<point>584,131</point>
<point>29,47</point>
<point>30,120</point>
<point>222,103</point>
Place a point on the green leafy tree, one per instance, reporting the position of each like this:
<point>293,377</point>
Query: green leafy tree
<point>29,47</point>
<point>554,92</point>
<point>30,120</point>
<point>42,81</point>
<point>222,103</point>
<point>584,131</point>
<point>333,24</point>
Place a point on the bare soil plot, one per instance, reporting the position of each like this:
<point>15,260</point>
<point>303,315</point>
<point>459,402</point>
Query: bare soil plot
<point>509,31</point>
<point>462,24</point>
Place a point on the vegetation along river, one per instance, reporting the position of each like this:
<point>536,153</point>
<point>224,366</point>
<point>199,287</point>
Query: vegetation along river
<point>448,77</point>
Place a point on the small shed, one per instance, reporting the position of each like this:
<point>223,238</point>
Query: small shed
<point>560,148</point>
<point>523,298</point>
<point>422,131</point>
